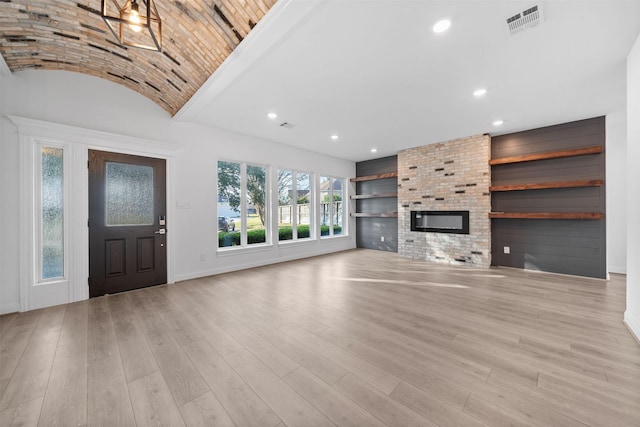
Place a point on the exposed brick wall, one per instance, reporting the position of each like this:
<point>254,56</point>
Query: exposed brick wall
<point>452,175</point>
<point>71,35</point>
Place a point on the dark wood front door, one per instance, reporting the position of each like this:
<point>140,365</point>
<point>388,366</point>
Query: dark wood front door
<point>127,222</point>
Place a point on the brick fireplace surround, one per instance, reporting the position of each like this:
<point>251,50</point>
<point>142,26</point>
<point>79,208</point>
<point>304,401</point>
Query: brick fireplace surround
<point>449,176</point>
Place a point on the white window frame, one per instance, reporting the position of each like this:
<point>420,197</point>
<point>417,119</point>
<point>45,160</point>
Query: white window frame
<point>76,143</point>
<point>244,245</point>
<point>294,208</point>
<point>39,243</point>
<point>331,213</point>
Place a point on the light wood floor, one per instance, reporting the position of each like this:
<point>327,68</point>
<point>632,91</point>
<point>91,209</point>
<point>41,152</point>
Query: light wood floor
<point>359,338</point>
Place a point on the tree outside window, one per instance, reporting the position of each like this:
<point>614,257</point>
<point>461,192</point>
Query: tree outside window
<point>294,205</point>
<point>242,204</point>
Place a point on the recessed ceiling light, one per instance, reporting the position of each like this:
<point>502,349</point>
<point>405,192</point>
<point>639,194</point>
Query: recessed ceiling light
<point>374,150</point>
<point>272,116</point>
<point>441,26</point>
<point>480,92</point>
<point>334,137</point>
<point>498,122</point>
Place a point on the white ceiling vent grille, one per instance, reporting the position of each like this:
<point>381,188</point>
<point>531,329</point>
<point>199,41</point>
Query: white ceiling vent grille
<point>526,19</point>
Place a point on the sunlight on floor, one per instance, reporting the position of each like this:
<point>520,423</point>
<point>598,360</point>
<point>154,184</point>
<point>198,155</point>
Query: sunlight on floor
<point>402,282</point>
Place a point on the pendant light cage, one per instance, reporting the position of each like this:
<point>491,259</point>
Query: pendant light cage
<point>135,24</point>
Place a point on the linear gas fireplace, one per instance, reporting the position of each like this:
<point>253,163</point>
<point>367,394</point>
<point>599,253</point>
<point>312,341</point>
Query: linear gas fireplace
<point>440,221</point>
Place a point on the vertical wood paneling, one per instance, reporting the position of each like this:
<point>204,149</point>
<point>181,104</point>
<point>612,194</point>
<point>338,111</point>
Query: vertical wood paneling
<point>370,231</point>
<point>562,246</point>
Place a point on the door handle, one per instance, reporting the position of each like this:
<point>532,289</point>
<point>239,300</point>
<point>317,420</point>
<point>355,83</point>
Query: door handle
<point>161,231</point>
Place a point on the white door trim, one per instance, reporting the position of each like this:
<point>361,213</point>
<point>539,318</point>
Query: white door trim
<point>77,142</point>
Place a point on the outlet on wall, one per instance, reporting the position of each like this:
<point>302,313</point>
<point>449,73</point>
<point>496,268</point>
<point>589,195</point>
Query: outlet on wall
<point>202,258</point>
<point>382,238</point>
<point>507,250</point>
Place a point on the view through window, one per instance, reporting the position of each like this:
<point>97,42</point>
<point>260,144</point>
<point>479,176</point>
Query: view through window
<point>302,210</point>
<point>242,204</point>
<point>294,205</point>
<point>331,206</point>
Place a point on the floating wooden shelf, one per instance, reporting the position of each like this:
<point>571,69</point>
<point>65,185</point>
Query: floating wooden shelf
<point>372,177</point>
<point>374,215</point>
<point>548,155</point>
<point>546,215</point>
<point>546,185</point>
<point>374,196</point>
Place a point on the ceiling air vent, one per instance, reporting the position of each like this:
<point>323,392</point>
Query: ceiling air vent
<point>526,19</point>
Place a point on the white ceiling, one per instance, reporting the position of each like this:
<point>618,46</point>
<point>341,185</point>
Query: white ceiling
<point>374,72</point>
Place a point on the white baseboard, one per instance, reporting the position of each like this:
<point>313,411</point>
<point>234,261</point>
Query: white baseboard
<point>258,263</point>
<point>9,308</point>
<point>617,269</point>
<point>555,274</point>
<point>633,324</point>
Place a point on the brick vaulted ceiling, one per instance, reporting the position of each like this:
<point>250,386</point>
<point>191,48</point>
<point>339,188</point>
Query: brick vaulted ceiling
<point>70,35</point>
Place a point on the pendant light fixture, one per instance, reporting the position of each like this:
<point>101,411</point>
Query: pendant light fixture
<point>134,24</point>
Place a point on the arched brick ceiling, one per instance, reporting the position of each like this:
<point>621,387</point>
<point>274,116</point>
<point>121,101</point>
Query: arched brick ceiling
<point>71,35</point>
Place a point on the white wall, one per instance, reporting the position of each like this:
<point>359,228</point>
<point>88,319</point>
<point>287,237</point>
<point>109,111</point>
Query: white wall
<point>5,307</point>
<point>93,103</point>
<point>616,190</point>
<point>9,274</point>
<point>632,314</point>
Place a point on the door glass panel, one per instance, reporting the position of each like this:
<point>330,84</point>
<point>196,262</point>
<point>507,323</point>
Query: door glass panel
<point>52,213</point>
<point>129,194</point>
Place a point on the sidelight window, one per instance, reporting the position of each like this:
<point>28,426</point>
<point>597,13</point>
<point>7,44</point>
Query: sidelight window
<point>51,235</point>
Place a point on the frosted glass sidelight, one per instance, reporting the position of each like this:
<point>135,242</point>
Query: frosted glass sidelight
<point>52,205</point>
<point>129,194</point>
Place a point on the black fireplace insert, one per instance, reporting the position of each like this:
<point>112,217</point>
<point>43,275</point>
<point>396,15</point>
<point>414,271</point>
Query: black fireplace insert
<point>440,221</point>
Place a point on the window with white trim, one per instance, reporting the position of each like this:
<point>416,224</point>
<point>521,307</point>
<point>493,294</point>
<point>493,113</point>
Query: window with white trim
<point>51,221</point>
<point>295,201</point>
<point>243,201</point>
<point>332,206</point>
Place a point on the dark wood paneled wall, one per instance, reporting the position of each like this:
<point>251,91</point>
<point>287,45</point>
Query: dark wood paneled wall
<point>369,231</point>
<point>562,246</point>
